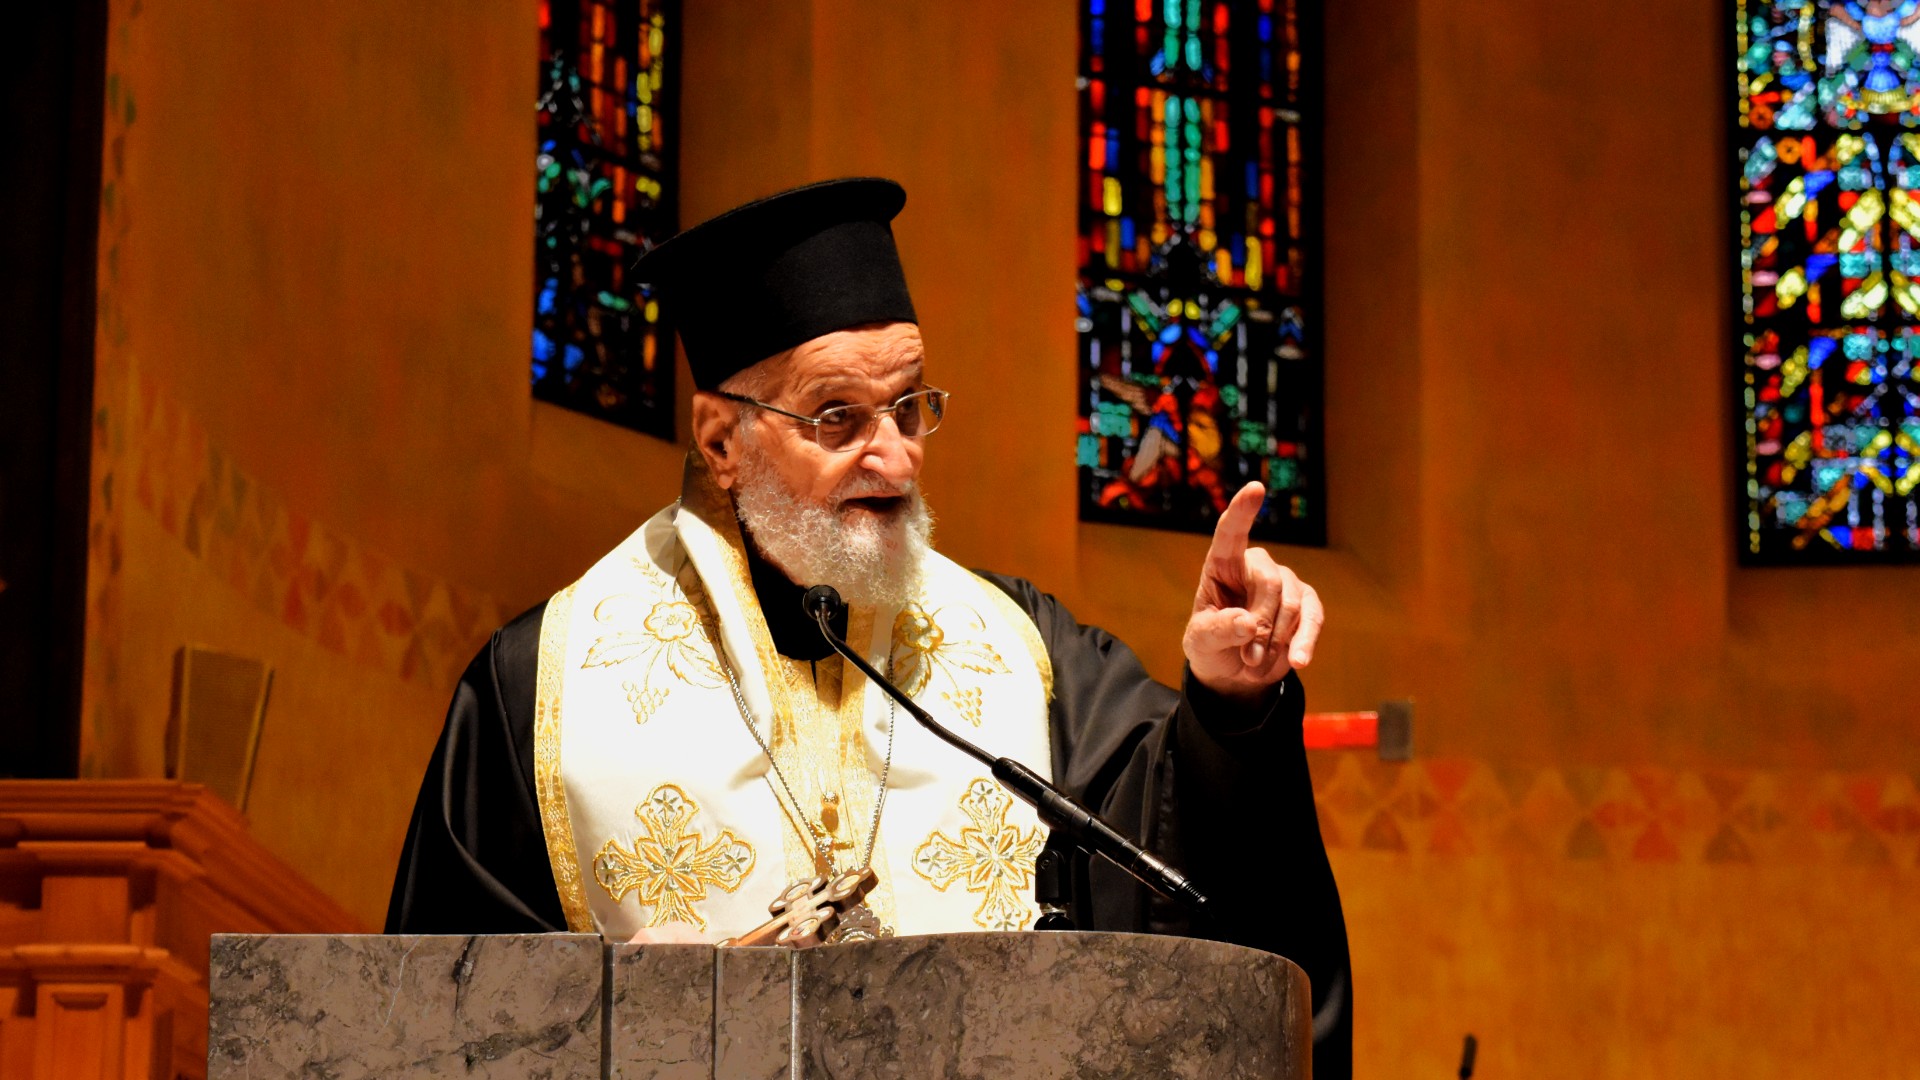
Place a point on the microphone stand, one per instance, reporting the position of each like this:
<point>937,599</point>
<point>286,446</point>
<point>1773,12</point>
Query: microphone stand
<point>1056,808</point>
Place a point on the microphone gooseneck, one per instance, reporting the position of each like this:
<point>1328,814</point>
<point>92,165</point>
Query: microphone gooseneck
<point>1057,810</point>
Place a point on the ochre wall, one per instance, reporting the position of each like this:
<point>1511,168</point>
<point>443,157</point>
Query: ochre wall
<point>1664,816</point>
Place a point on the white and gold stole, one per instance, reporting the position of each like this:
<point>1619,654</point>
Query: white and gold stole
<point>657,803</point>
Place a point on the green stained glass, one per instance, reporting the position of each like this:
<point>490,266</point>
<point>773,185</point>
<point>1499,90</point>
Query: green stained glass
<point>1198,310</point>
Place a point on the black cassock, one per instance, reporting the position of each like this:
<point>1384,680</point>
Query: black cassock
<point>1219,792</point>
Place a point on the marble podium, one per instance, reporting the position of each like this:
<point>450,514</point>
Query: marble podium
<point>569,1005</point>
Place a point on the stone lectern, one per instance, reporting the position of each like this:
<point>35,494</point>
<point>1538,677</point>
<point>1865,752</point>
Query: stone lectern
<point>569,1005</point>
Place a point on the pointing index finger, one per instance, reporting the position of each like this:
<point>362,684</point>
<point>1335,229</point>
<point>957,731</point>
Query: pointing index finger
<point>1230,535</point>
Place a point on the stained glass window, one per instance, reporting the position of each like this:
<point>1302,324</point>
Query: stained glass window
<point>1199,344</point>
<point>604,193</point>
<point>1828,162</point>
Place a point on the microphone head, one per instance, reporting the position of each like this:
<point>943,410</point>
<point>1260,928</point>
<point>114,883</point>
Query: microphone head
<point>823,602</point>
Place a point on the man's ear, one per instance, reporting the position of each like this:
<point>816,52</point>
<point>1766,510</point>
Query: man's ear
<point>716,424</point>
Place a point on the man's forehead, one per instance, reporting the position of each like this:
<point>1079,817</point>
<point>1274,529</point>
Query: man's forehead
<point>856,358</point>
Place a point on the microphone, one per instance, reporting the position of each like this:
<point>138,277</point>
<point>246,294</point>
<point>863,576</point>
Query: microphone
<point>1057,810</point>
<point>823,601</point>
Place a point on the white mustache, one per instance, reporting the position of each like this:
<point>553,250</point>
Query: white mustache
<point>872,487</point>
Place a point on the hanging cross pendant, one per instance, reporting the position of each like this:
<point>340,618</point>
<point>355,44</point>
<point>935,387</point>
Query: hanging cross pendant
<point>827,840</point>
<point>823,909</point>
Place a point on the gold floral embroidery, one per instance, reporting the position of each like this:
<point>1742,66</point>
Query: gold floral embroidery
<point>921,647</point>
<point>667,866</point>
<point>671,631</point>
<point>992,858</point>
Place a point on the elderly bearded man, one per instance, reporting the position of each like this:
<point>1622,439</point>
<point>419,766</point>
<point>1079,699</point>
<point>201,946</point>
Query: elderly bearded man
<point>665,745</point>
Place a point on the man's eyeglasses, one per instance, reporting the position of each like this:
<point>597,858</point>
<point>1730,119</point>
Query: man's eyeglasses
<point>849,427</point>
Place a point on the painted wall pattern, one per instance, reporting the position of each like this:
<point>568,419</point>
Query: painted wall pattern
<point>1460,807</point>
<point>148,451</point>
<point>104,524</point>
<point>350,599</point>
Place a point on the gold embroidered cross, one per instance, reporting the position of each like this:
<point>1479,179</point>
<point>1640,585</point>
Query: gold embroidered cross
<point>992,858</point>
<point>667,865</point>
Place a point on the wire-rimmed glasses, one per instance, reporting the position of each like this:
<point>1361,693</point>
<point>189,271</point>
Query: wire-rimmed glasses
<point>848,427</point>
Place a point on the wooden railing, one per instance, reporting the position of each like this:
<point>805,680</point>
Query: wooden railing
<point>109,891</point>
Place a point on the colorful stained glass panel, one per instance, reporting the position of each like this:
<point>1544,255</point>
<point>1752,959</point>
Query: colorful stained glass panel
<point>604,194</point>
<point>1198,317</point>
<point>1828,167</point>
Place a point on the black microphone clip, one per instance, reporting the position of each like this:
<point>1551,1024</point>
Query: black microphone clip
<point>823,602</point>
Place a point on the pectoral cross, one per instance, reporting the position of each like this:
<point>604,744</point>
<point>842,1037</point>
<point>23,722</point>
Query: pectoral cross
<point>818,910</point>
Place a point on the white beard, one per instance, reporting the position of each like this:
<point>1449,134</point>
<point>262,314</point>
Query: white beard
<point>873,562</point>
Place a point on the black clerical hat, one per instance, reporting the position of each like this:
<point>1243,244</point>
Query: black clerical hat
<point>764,277</point>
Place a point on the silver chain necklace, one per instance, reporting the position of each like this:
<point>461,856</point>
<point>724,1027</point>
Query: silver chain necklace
<point>822,845</point>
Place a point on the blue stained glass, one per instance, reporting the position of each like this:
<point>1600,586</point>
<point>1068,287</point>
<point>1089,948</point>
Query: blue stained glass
<point>604,179</point>
<point>542,354</point>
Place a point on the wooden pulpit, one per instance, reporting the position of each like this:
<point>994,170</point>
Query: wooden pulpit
<point>1003,1005</point>
<point>109,893</point>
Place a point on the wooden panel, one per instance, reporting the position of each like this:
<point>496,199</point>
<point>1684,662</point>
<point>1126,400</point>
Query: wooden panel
<point>79,1034</point>
<point>108,892</point>
<point>16,1032</point>
<point>84,908</point>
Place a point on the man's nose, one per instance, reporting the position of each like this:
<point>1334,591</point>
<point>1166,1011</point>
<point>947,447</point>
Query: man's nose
<point>886,453</point>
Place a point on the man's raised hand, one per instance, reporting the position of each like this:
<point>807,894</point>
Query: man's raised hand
<point>1253,619</point>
